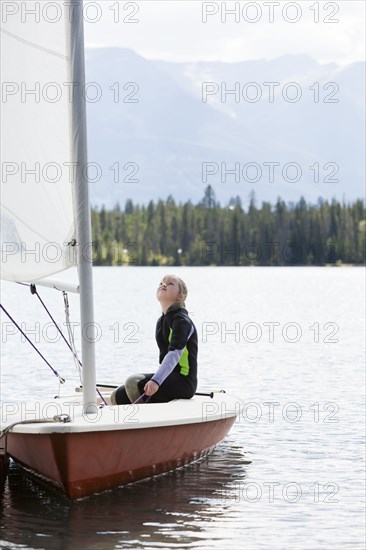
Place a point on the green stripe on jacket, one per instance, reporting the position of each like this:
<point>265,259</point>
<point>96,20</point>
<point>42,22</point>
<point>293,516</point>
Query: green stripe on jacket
<point>183,361</point>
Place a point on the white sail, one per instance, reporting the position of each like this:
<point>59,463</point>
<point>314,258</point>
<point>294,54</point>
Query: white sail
<point>37,214</point>
<point>45,207</point>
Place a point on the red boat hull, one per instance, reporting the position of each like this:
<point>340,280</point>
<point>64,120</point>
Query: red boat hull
<point>81,464</point>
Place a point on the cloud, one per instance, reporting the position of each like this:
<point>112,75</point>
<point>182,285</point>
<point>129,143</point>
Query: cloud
<point>176,31</point>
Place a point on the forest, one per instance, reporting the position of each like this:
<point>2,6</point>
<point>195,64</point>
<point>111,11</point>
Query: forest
<point>283,234</point>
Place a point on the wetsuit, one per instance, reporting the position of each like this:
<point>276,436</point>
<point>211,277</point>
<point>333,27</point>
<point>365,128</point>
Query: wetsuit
<point>177,340</point>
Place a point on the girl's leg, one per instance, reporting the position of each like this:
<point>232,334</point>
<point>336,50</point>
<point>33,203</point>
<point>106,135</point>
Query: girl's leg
<point>175,386</point>
<point>120,397</point>
<point>131,390</point>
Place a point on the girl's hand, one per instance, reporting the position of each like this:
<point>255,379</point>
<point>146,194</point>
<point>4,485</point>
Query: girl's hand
<point>151,387</point>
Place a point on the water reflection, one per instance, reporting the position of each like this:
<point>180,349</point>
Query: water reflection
<point>167,511</point>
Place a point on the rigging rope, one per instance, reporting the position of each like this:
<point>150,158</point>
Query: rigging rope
<point>71,345</point>
<point>64,418</point>
<point>62,380</point>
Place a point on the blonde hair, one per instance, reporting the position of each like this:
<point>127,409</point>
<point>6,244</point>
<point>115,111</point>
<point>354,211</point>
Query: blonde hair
<point>183,291</point>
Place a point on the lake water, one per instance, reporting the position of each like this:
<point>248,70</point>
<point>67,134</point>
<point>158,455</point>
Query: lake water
<point>290,342</point>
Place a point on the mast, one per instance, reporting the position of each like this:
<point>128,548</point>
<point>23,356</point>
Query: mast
<point>75,45</point>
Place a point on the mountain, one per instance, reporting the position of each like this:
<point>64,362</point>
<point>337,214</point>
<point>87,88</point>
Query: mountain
<point>292,128</point>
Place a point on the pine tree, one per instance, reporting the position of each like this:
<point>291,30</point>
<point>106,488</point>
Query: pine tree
<point>206,234</point>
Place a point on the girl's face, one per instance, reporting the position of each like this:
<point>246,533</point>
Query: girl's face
<point>168,290</point>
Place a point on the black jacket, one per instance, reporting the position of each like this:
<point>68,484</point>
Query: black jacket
<point>172,331</point>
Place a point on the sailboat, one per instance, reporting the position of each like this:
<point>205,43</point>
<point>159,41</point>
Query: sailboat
<point>87,445</point>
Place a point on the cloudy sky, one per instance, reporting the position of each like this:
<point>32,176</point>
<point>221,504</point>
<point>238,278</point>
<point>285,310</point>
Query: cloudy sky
<point>176,31</point>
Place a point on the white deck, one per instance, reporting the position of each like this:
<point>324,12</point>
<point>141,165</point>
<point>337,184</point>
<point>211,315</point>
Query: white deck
<point>117,417</point>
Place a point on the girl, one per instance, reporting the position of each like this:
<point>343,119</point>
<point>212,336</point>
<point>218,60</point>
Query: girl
<point>176,336</point>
